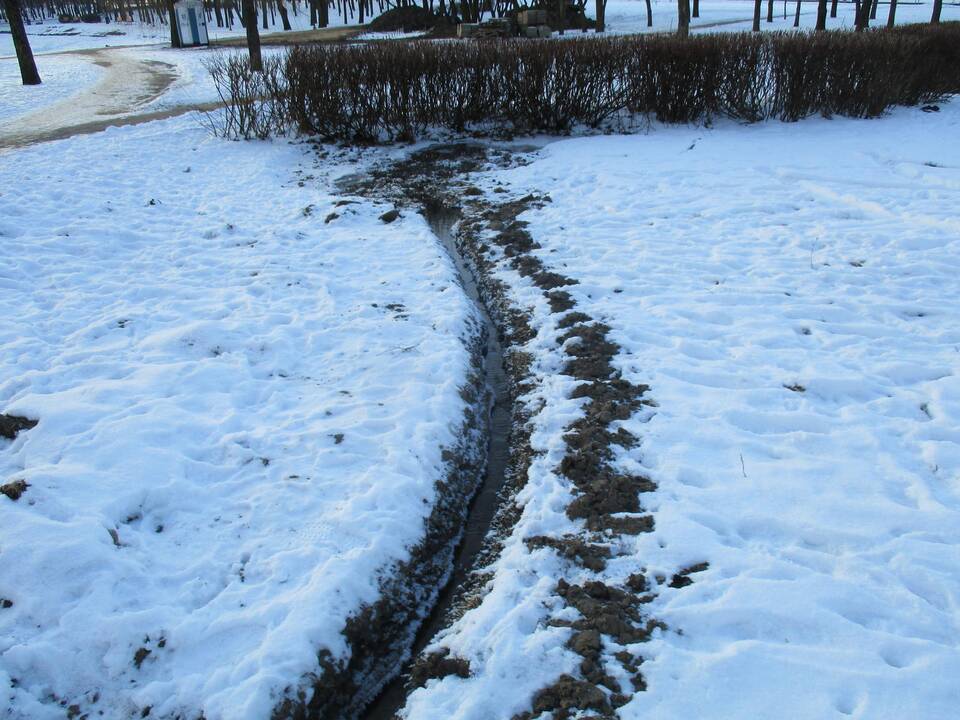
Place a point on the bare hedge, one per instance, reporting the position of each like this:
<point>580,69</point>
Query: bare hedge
<point>396,90</point>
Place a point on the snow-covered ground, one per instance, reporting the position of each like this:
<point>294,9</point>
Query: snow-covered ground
<point>53,36</point>
<point>62,76</point>
<point>193,84</point>
<point>790,294</point>
<point>242,406</point>
<point>630,16</point>
<point>124,82</point>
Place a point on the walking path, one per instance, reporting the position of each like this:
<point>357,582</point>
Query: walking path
<point>129,83</point>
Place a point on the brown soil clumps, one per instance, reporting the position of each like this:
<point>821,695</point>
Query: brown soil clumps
<point>682,578</point>
<point>12,425</point>
<point>15,489</point>
<point>438,665</point>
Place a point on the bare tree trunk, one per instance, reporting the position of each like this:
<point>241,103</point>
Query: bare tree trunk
<point>696,8</point>
<point>873,9</point>
<point>796,17</point>
<point>757,5</point>
<point>324,18</point>
<point>253,35</point>
<point>892,17</point>
<point>833,8</point>
<point>21,44</point>
<point>769,11</point>
<point>937,7</point>
<point>863,15</point>
<point>601,15</point>
<point>284,17</point>
<point>821,15</point>
<point>683,18</point>
<point>174,32</point>
<point>649,14</point>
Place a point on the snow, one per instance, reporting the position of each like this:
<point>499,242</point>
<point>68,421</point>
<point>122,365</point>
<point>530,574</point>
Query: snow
<point>52,36</point>
<point>391,35</point>
<point>242,410</point>
<point>630,16</point>
<point>63,76</point>
<point>622,16</point>
<point>225,385</point>
<point>193,85</point>
<point>789,292</point>
<point>134,82</point>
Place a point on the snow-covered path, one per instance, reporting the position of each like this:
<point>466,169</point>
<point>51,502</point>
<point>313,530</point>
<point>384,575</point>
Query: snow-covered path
<point>127,84</point>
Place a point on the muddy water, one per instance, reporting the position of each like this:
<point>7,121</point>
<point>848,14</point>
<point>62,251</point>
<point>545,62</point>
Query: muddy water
<point>485,502</point>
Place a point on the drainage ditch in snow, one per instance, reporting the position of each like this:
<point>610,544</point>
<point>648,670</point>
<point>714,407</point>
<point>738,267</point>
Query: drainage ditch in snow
<point>487,499</point>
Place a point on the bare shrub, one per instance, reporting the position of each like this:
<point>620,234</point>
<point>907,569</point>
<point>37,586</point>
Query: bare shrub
<point>389,91</point>
<point>255,103</point>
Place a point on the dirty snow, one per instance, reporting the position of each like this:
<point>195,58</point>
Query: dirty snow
<point>241,413</point>
<point>62,77</point>
<point>790,294</point>
<point>193,85</point>
<point>123,82</point>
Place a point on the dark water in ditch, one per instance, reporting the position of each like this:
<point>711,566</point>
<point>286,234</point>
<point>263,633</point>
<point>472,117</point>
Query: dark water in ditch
<point>485,502</point>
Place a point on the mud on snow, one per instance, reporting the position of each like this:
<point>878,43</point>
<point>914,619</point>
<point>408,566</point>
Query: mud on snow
<point>606,506</point>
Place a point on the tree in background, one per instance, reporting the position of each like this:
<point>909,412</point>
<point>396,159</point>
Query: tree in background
<point>821,15</point>
<point>284,15</point>
<point>174,34</point>
<point>28,68</point>
<point>683,18</point>
<point>253,35</point>
<point>862,21</point>
<point>937,6</point>
<point>649,14</point>
<point>757,6</point>
<point>892,17</point>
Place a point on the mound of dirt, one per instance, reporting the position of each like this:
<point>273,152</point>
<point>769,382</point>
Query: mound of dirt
<point>408,19</point>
